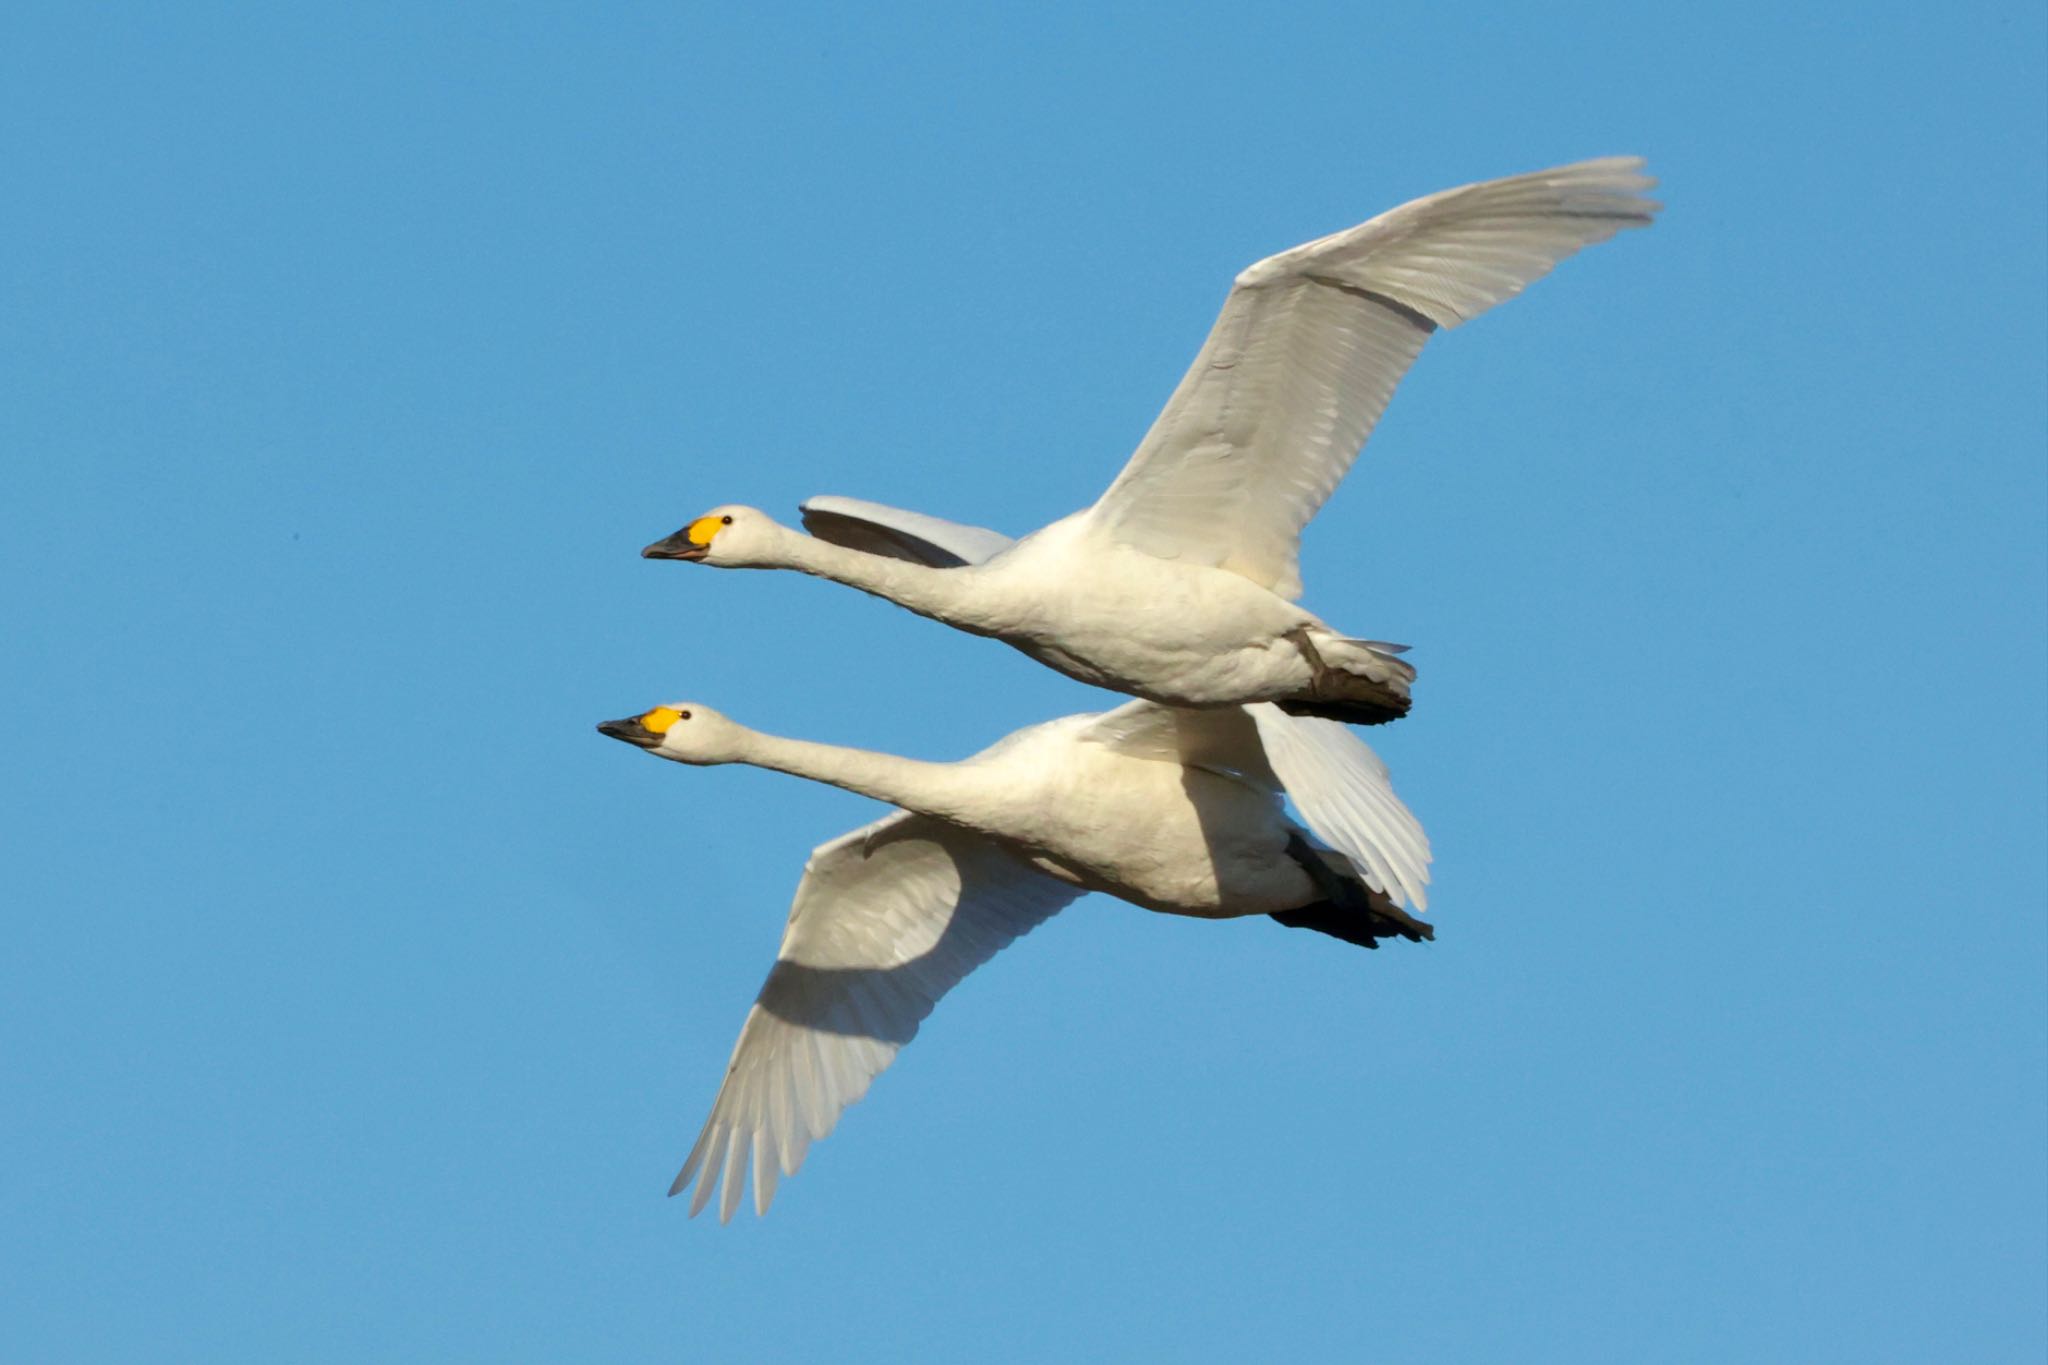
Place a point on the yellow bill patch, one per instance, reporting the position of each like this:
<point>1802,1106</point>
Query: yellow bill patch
<point>661,719</point>
<point>702,529</point>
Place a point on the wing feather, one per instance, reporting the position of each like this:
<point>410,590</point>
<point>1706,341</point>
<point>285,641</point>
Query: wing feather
<point>886,920</point>
<point>1341,789</point>
<point>882,530</point>
<point>1345,794</point>
<point>1311,344</point>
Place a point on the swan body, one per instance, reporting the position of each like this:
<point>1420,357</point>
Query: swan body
<point>1173,810</point>
<point>1205,637</point>
<point>1179,584</point>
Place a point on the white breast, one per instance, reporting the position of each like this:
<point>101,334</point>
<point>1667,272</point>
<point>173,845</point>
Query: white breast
<point>1124,619</point>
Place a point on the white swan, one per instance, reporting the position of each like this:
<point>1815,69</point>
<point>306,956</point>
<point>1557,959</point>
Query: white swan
<point>1174,810</point>
<point>1178,584</point>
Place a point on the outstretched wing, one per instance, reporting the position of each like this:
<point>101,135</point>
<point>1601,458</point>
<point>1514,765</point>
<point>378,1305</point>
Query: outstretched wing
<point>1342,791</point>
<point>1311,344</point>
<point>891,531</point>
<point>886,921</point>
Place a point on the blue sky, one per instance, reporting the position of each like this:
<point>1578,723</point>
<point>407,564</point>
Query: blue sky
<point>359,1001</point>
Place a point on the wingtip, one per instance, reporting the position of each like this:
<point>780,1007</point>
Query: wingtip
<point>1620,180</point>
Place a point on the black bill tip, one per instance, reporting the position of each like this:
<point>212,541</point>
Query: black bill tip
<point>631,731</point>
<point>677,546</point>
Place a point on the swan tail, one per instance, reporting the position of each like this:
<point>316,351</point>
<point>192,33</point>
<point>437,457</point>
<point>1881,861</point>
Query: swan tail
<point>1358,682</point>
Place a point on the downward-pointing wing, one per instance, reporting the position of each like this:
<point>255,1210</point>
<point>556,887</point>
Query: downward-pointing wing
<point>886,921</point>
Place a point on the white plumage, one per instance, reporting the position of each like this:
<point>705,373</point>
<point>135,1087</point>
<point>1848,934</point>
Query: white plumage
<point>1174,810</point>
<point>1178,585</point>
<point>886,920</point>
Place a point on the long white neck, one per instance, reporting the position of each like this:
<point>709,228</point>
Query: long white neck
<point>946,790</point>
<point>956,596</point>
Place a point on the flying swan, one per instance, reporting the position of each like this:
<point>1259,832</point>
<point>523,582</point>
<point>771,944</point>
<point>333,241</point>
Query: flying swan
<point>1178,585</point>
<point>1174,810</point>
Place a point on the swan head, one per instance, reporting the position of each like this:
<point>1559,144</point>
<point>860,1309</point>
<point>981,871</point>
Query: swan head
<point>681,730</point>
<point>730,537</point>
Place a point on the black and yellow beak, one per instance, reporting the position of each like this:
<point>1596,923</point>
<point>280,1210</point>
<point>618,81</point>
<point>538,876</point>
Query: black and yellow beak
<point>645,729</point>
<point>677,546</point>
<point>633,730</point>
<point>691,543</point>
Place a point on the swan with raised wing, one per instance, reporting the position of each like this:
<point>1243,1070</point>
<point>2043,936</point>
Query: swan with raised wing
<point>1179,584</point>
<point>1178,811</point>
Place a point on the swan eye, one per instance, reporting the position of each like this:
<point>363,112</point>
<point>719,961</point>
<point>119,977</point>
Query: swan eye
<point>725,521</point>
<point>661,719</point>
<point>682,715</point>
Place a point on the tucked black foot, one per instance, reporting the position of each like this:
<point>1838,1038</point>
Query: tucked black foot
<point>1350,910</point>
<point>1364,930</point>
<point>1350,711</point>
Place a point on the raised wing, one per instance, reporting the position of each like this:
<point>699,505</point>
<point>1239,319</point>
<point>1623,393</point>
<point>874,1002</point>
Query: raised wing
<point>886,921</point>
<point>1345,794</point>
<point>1311,344</point>
<point>1337,784</point>
<point>891,531</point>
